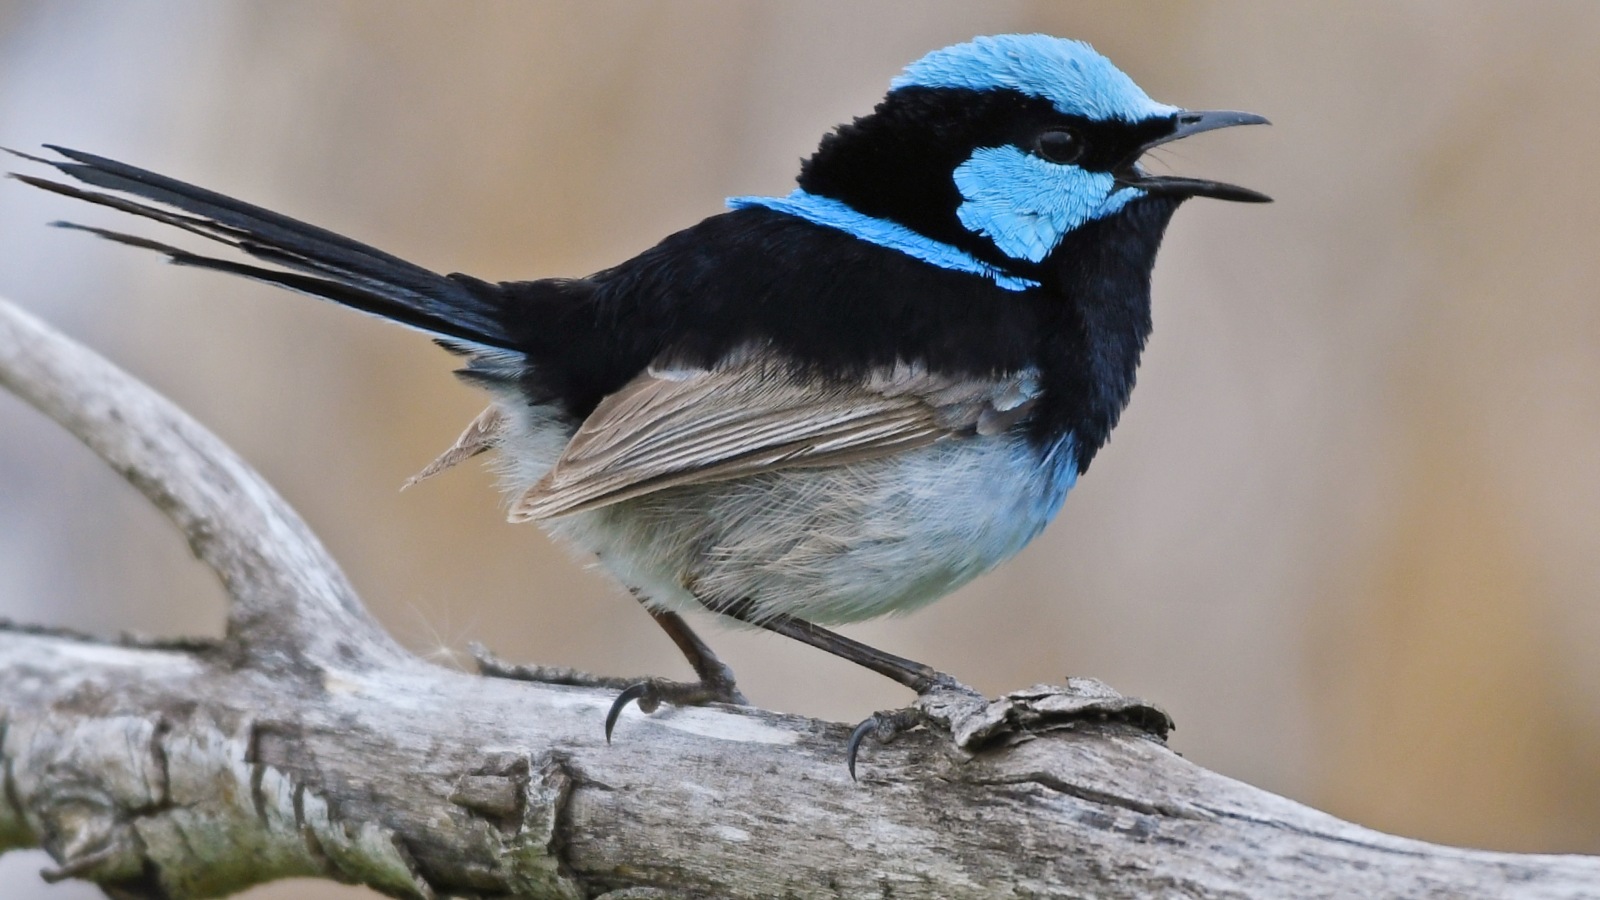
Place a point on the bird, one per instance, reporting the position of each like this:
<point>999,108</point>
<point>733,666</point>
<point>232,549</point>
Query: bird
<point>811,409</point>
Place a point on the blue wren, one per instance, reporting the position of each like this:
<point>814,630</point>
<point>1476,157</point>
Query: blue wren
<point>811,409</point>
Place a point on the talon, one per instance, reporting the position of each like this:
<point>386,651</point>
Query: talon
<point>854,744</point>
<point>639,691</point>
<point>652,692</point>
<point>885,726</point>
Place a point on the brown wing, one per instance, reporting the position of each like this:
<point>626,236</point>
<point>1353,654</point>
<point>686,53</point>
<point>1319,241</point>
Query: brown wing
<point>672,427</point>
<point>483,433</point>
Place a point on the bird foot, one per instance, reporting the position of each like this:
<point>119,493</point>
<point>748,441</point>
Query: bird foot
<point>883,727</point>
<point>937,705</point>
<point>716,684</point>
<point>491,666</point>
<point>714,687</point>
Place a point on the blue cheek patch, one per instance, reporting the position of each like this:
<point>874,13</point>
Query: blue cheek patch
<point>1026,205</point>
<point>831,213</point>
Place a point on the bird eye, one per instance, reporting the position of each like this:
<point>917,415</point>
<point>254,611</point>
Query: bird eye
<point>1059,147</point>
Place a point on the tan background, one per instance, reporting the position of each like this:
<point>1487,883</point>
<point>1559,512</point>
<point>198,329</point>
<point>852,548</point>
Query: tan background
<point>1348,533</point>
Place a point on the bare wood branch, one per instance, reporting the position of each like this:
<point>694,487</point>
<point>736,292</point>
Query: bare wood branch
<point>307,744</point>
<point>289,599</point>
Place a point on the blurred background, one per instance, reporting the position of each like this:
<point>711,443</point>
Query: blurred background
<point>1348,533</point>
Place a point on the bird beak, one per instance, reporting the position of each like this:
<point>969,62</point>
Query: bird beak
<point>1185,124</point>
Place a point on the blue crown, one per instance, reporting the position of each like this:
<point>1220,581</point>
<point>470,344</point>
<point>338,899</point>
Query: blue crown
<point>1069,74</point>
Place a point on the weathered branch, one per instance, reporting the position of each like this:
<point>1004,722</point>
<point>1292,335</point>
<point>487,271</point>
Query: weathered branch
<point>306,743</point>
<point>289,599</point>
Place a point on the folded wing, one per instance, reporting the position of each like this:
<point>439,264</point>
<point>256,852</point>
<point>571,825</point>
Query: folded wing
<point>676,426</point>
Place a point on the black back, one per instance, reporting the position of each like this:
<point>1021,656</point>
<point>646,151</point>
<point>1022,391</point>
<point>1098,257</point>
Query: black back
<point>839,306</point>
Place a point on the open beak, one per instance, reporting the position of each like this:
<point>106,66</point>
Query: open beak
<point>1188,123</point>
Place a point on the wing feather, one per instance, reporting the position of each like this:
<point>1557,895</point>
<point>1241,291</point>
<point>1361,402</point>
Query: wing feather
<point>672,426</point>
<point>483,433</point>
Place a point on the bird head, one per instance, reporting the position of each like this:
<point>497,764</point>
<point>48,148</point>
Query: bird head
<point>1005,145</point>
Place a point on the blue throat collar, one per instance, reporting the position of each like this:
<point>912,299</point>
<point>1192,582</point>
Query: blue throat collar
<point>831,213</point>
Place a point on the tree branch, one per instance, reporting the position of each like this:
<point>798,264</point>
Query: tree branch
<point>306,743</point>
<point>289,600</point>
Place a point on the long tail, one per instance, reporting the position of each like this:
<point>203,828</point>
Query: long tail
<point>323,264</point>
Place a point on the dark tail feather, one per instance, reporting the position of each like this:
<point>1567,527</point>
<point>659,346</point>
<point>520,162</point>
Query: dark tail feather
<point>334,267</point>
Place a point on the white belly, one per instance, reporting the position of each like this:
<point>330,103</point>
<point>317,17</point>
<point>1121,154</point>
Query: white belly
<point>837,544</point>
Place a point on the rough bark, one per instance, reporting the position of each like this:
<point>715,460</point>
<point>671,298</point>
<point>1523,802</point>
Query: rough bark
<point>307,743</point>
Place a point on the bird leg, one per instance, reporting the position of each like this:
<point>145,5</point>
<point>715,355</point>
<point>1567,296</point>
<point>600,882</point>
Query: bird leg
<point>716,684</point>
<point>716,679</point>
<point>912,674</point>
<point>711,670</point>
<point>881,726</point>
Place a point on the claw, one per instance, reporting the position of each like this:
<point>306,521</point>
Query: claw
<point>854,744</point>
<point>652,692</point>
<point>885,726</point>
<point>632,692</point>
